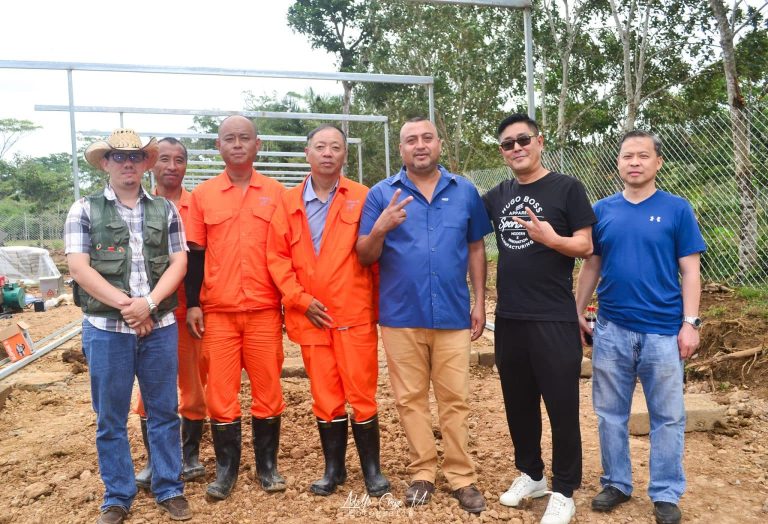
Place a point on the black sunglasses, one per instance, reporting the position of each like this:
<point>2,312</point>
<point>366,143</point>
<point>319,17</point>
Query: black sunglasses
<point>523,140</point>
<point>122,157</point>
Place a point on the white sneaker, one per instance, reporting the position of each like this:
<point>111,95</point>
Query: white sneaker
<point>523,486</point>
<point>560,510</point>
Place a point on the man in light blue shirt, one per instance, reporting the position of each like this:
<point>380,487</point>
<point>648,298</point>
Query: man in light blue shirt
<point>424,252</point>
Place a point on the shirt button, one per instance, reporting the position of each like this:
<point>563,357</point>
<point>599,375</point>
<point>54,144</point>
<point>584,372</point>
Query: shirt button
<point>434,249</point>
<point>431,228</point>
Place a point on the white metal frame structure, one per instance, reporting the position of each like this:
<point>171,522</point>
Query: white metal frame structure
<point>70,67</point>
<point>195,175</point>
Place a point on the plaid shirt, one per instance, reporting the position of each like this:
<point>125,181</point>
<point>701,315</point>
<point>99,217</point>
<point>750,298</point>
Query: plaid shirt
<point>77,239</point>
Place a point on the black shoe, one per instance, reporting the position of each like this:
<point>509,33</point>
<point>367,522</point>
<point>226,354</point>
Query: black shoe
<point>333,437</point>
<point>608,499</point>
<point>227,443</point>
<point>266,443</point>
<point>144,477</point>
<point>191,434</point>
<point>367,441</point>
<point>667,513</point>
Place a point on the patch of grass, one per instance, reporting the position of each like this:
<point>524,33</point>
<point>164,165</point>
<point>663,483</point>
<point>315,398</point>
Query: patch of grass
<point>716,312</point>
<point>752,293</point>
<point>757,310</point>
<point>757,301</point>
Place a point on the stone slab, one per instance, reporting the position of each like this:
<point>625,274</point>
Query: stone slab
<point>701,413</point>
<point>486,357</point>
<point>586,368</point>
<point>294,368</point>
<point>37,380</point>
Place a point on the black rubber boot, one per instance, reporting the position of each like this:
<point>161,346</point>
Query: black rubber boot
<point>191,434</point>
<point>367,441</point>
<point>227,442</point>
<point>144,477</point>
<point>333,437</point>
<point>266,442</point>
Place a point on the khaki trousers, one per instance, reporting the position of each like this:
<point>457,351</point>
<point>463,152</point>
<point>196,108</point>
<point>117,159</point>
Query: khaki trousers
<point>415,356</point>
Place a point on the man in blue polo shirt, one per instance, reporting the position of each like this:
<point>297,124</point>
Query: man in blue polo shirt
<point>647,246</point>
<point>424,251</point>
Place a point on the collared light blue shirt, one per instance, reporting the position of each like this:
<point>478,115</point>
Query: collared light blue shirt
<point>424,261</point>
<point>317,211</point>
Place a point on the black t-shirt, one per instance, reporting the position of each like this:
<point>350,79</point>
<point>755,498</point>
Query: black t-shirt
<point>534,282</point>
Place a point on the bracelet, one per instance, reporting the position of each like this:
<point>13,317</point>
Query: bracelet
<point>152,305</point>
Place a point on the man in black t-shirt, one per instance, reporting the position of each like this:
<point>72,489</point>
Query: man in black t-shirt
<point>542,221</point>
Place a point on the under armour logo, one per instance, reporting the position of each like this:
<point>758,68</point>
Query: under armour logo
<point>655,219</point>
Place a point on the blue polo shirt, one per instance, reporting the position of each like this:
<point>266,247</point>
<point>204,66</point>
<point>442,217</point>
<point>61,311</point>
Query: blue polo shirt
<point>423,264</point>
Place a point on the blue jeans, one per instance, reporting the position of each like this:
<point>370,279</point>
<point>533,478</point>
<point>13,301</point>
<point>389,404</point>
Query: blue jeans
<point>619,357</point>
<point>114,359</point>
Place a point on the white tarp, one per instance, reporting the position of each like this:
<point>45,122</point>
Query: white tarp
<point>29,264</point>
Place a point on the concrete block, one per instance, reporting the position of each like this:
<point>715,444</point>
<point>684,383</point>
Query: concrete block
<point>701,413</point>
<point>294,367</point>
<point>486,357</point>
<point>586,368</point>
<point>474,358</point>
<point>37,380</point>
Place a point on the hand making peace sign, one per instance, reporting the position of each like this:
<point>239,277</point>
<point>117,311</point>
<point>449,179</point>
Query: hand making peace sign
<point>539,231</point>
<point>394,214</point>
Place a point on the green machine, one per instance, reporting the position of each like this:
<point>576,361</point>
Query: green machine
<point>14,297</point>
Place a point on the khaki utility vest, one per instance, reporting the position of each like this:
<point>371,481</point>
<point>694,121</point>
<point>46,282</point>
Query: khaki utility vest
<point>111,252</point>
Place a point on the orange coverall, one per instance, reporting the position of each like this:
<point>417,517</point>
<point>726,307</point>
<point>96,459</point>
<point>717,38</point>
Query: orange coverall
<point>192,368</point>
<point>241,305</point>
<point>341,361</point>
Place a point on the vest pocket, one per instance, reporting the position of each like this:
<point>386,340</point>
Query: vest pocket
<point>109,263</point>
<point>112,266</point>
<point>158,265</point>
<point>153,234</point>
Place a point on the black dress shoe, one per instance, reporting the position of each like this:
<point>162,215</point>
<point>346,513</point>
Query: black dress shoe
<point>608,499</point>
<point>667,513</point>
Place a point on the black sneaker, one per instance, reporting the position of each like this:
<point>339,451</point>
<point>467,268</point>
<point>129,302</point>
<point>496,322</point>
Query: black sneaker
<point>667,513</point>
<point>608,499</point>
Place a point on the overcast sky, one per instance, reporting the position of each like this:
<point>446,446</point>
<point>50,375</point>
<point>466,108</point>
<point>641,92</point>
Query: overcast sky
<point>236,34</point>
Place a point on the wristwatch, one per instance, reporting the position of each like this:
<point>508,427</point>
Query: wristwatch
<point>694,321</point>
<point>152,305</point>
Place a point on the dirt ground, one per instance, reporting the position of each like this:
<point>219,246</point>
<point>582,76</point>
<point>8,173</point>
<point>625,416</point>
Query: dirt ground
<point>50,474</point>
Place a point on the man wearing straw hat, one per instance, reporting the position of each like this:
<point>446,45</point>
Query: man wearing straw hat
<point>127,254</point>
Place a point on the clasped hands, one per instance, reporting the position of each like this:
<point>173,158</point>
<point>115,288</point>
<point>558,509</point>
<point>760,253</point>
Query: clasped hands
<point>135,312</point>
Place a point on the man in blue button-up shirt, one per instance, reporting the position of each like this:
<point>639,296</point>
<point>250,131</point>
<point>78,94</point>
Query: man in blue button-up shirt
<point>425,227</point>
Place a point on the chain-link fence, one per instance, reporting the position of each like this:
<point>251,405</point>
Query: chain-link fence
<point>43,230</point>
<point>699,166</point>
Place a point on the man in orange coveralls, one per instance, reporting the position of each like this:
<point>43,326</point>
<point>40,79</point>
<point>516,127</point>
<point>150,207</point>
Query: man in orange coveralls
<point>329,305</point>
<point>240,321</point>
<point>169,171</point>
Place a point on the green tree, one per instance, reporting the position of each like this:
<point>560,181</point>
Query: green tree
<point>45,182</point>
<point>476,58</point>
<point>346,28</point>
<point>11,131</point>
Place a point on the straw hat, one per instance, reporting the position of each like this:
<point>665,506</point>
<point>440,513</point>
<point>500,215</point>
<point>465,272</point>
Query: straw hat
<point>121,140</point>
